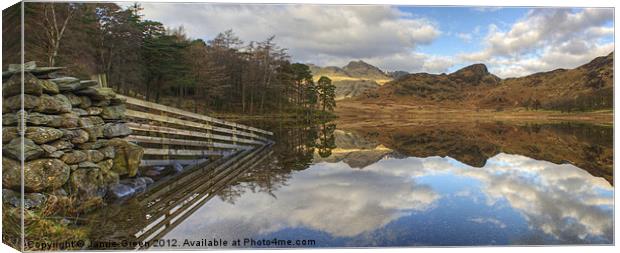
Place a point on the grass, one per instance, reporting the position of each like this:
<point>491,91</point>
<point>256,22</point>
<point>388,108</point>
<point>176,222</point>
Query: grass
<point>351,111</point>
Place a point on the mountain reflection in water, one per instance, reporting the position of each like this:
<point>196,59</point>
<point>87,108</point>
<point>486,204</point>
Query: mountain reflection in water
<point>473,184</point>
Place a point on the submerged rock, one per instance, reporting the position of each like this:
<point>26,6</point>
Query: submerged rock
<point>120,191</point>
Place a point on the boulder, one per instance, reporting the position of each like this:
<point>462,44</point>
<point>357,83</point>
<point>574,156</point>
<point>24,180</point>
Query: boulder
<point>79,111</point>
<point>106,165</point>
<point>42,135</point>
<point>93,144</point>
<point>56,154</point>
<point>31,200</point>
<point>53,104</point>
<point>48,87</point>
<point>75,157</point>
<point>85,102</point>
<point>62,144</point>
<point>88,165</point>
<point>97,93</point>
<point>111,130</point>
<point>113,112</point>
<point>31,150</point>
<point>94,132</point>
<point>74,99</point>
<point>87,184</point>
<point>51,151</point>
<point>101,103</point>
<point>73,84</point>
<point>128,157</point>
<point>39,175</point>
<point>10,119</point>
<point>93,111</point>
<point>39,119</point>
<point>48,148</point>
<point>95,155</point>
<point>27,66</point>
<point>138,184</point>
<point>66,120</point>
<point>110,177</point>
<point>13,86</point>
<point>107,151</point>
<point>117,101</point>
<point>90,121</point>
<point>65,79</point>
<point>76,136</point>
<point>8,134</point>
<point>120,191</point>
<point>13,104</point>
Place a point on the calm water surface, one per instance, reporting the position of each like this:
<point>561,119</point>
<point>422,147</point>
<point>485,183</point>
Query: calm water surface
<point>362,192</point>
<point>401,185</point>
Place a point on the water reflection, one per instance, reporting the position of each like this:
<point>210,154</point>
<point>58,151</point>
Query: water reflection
<point>395,185</point>
<point>396,201</point>
<point>423,186</point>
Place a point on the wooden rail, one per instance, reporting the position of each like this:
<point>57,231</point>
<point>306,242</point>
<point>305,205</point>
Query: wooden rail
<point>170,135</point>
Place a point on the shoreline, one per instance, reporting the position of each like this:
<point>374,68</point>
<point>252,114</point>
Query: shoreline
<point>348,112</point>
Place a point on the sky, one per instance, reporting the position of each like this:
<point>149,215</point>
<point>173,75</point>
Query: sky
<point>512,41</point>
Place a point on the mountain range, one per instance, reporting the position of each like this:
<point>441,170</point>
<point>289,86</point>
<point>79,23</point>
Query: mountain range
<point>352,79</point>
<point>586,87</point>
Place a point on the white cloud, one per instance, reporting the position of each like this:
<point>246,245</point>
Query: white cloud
<point>465,37</point>
<point>545,39</point>
<point>324,35</point>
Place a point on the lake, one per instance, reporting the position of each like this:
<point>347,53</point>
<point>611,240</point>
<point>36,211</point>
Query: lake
<point>398,184</point>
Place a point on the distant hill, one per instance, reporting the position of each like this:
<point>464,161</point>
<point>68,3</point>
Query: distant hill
<point>352,79</point>
<point>353,88</point>
<point>589,86</point>
<point>397,74</point>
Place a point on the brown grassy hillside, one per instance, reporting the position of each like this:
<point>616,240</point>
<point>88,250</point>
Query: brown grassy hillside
<point>587,87</point>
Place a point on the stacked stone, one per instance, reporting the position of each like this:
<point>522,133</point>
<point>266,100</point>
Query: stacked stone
<point>73,134</point>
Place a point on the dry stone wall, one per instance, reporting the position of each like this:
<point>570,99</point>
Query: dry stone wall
<point>73,142</point>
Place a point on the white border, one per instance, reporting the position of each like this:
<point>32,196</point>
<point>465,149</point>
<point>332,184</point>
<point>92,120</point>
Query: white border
<point>512,249</point>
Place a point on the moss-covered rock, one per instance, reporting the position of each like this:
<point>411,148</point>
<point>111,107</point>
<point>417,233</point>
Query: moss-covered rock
<point>127,158</point>
<point>42,135</point>
<point>53,104</point>
<point>39,175</point>
<point>14,147</point>
<point>75,157</point>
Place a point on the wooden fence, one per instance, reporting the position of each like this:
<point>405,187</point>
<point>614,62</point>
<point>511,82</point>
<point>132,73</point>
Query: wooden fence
<point>173,136</point>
